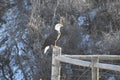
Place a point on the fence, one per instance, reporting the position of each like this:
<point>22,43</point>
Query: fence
<point>79,60</point>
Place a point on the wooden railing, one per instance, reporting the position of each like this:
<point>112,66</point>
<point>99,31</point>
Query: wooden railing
<point>94,63</point>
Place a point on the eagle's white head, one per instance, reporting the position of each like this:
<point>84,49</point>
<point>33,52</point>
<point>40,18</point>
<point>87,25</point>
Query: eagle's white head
<point>58,26</point>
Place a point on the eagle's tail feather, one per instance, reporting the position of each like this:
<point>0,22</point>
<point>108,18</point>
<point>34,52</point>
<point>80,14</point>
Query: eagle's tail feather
<point>46,48</point>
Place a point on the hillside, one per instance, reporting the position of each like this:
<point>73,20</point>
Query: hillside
<point>90,27</point>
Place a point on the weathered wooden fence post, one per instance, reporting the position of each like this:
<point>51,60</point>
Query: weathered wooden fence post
<point>95,71</point>
<point>56,66</point>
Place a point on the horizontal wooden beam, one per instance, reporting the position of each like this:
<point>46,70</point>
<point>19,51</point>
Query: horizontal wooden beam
<point>100,57</point>
<point>87,63</point>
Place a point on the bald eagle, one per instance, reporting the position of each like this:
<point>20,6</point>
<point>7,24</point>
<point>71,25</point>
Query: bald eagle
<point>52,38</point>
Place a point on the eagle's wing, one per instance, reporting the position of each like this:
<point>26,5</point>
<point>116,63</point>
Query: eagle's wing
<point>50,39</point>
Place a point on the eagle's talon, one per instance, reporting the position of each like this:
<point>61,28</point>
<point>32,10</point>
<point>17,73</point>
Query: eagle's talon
<point>55,46</point>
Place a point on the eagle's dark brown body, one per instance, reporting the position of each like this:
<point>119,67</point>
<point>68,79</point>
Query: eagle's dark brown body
<point>50,39</point>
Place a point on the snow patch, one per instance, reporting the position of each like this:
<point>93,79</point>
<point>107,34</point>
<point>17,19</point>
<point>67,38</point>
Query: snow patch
<point>2,48</point>
<point>81,20</point>
<point>19,75</point>
<point>111,78</point>
<point>20,46</point>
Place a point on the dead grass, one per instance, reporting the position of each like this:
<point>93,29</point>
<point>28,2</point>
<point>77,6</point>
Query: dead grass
<point>111,42</point>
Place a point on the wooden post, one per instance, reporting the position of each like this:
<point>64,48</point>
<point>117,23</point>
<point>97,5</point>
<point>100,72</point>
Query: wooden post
<point>95,71</point>
<point>97,60</point>
<point>55,74</point>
